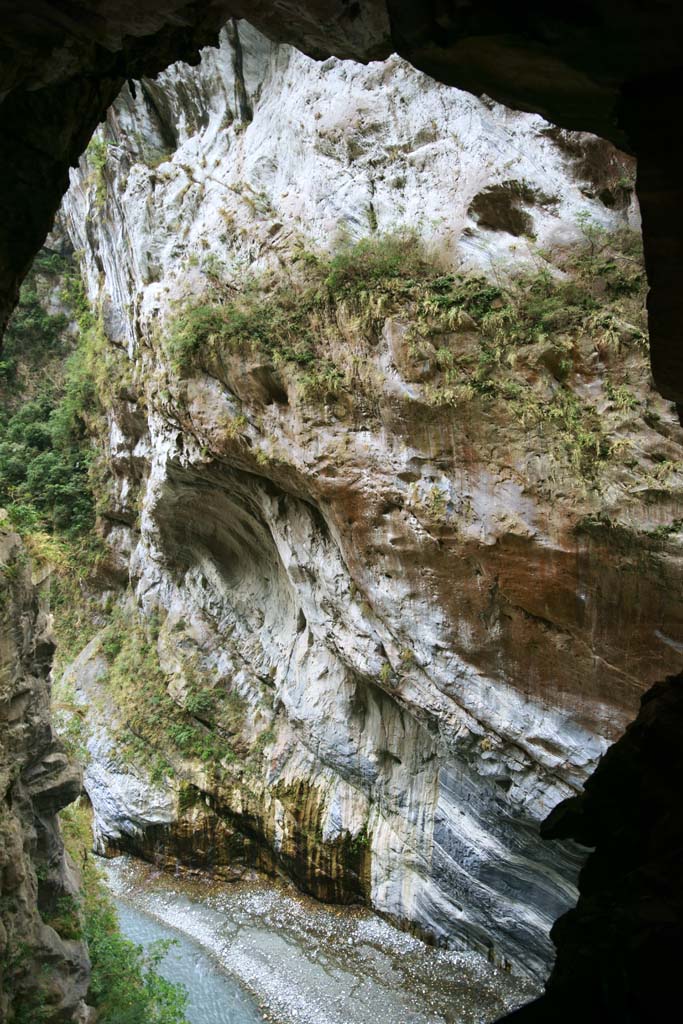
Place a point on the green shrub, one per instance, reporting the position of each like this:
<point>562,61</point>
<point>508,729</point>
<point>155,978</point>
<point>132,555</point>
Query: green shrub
<point>193,330</point>
<point>125,984</point>
<point>374,260</point>
<point>199,702</point>
<point>45,452</point>
<point>44,461</point>
<point>96,157</point>
<point>32,331</point>
<point>65,917</point>
<point>276,325</point>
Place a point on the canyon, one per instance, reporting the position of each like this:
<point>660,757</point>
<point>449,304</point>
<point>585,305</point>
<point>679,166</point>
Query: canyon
<point>390,507</point>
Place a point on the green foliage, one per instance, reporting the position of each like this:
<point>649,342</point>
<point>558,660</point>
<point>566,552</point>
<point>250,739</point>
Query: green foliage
<point>666,530</point>
<point>44,461</point>
<point>360,842</point>
<point>73,295</point>
<point>69,721</point>
<point>45,452</point>
<point>125,986</point>
<point>539,324</point>
<point>620,396</point>
<point>199,702</point>
<point>373,261</point>
<point>51,263</point>
<point>285,322</point>
<point>33,334</point>
<point>155,725</point>
<point>70,563</point>
<point>263,740</point>
<point>248,324</point>
<point>65,917</point>
<point>96,157</point>
<point>435,503</point>
<point>28,994</point>
<point>322,380</point>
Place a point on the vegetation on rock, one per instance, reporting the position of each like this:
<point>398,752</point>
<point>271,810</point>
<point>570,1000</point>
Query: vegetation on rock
<point>551,361</point>
<point>537,333</point>
<point>154,727</point>
<point>125,986</point>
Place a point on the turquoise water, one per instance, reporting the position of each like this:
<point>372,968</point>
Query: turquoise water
<point>215,998</point>
<point>255,951</point>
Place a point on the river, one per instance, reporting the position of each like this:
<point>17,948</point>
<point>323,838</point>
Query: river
<point>258,951</point>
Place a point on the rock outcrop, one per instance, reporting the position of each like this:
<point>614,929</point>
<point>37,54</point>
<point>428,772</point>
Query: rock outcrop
<point>615,73</point>
<point>390,606</point>
<point>618,950</point>
<point>41,969</point>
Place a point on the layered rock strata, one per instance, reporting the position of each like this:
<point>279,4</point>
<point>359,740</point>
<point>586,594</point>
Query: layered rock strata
<point>415,606</point>
<point>618,949</point>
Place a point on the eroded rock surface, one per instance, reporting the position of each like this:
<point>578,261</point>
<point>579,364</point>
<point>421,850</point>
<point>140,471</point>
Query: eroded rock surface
<point>41,970</point>
<point>618,949</point>
<point>203,174</point>
<point>615,73</point>
<point>403,626</point>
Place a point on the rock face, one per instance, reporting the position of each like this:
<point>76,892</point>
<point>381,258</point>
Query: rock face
<point>410,610</point>
<point>40,968</point>
<point>592,69</point>
<point>618,949</point>
<point>67,69</point>
<point>207,173</point>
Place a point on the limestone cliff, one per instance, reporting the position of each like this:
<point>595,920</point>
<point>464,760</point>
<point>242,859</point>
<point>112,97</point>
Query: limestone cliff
<point>399,570</point>
<point>589,69</point>
<point>44,966</point>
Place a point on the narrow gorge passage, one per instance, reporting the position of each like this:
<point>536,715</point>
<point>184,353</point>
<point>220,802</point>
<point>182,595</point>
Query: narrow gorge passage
<point>353,520</point>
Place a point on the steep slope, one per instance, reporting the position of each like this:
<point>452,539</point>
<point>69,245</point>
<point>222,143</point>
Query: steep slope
<point>401,539</point>
<point>44,962</point>
<point>618,949</point>
<point>582,67</point>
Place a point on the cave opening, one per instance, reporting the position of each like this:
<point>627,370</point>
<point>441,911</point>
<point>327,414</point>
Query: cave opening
<point>346,456</point>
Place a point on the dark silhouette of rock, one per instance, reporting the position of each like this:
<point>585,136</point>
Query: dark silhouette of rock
<point>619,950</point>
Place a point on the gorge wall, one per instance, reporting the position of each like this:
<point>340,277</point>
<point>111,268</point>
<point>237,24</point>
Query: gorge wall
<point>399,542</point>
<point>44,963</point>
<point>589,67</point>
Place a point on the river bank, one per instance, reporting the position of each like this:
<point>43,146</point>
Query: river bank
<point>303,962</point>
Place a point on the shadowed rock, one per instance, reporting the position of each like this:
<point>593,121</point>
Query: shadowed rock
<point>618,951</point>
